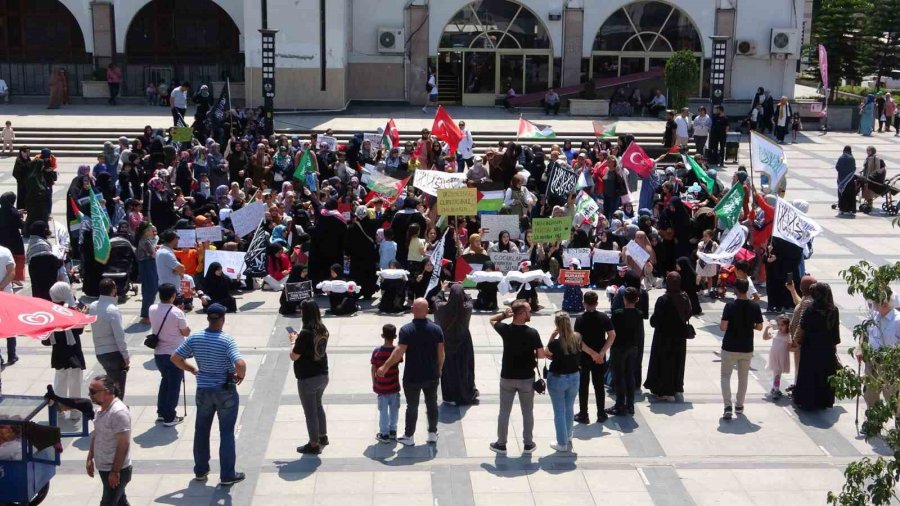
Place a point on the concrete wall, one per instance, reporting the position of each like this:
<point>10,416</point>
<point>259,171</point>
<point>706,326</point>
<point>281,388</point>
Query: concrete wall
<point>81,10</point>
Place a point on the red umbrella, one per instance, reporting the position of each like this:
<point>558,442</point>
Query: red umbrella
<point>29,316</point>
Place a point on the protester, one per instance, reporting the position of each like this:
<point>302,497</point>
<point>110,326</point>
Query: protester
<point>628,325</point>
<point>597,336</point>
<point>169,325</point>
<point>452,313</point>
<point>308,352</point>
<point>818,338</point>
<point>665,372</point>
<point>846,182</point>
<point>66,357</point>
<point>110,451</point>
<point>109,336</point>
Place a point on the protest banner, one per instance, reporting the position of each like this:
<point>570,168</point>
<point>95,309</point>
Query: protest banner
<point>637,253</point>
<point>562,181</point>
<point>586,210</point>
<point>729,246</point>
<point>768,157</point>
<point>429,181</point>
<point>457,201</point>
<point>245,219</point>
<point>209,234</point>
<point>232,262</point>
<point>606,256</point>
<point>505,262</point>
<point>436,257</point>
<point>793,225</point>
<point>574,277</point>
<point>550,229</point>
<point>330,141</point>
<point>374,138</point>
<point>493,224</point>
<point>298,292</point>
<point>186,238</point>
<point>582,254</point>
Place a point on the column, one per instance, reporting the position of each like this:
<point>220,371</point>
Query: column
<point>573,36</point>
<point>417,66</point>
<point>104,29</point>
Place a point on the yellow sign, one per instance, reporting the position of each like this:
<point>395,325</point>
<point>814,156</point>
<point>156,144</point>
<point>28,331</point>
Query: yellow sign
<point>457,201</point>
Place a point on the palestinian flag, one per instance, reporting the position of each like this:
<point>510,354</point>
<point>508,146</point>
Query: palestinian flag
<point>533,130</point>
<point>699,173</point>
<point>390,139</point>
<point>602,131</point>
<point>490,202</point>
<point>76,221</point>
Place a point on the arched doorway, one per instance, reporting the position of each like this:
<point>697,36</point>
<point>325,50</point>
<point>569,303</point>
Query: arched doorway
<point>489,45</point>
<point>35,37</point>
<point>641,36</point>
<point>182,40</point>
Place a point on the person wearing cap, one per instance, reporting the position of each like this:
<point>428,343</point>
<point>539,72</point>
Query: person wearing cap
<point>219,370</point>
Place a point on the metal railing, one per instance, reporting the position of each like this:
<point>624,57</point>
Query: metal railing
<point>34,78</point>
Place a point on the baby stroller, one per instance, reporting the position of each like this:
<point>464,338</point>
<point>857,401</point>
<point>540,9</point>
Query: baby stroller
<point>876,186</point>
<point>122,266</point>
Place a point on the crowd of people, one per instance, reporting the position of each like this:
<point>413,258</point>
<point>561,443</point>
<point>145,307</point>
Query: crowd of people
<point>353,221</point>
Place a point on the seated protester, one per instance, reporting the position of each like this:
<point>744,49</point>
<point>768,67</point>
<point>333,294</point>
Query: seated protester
<point>217,288</point>
<point>602,274</point>
<point>486,281</point>
<point>393,281</point>
<point>298,274</point>
<point>278,266</point>
<point>341,294</point>
<point>279,236</point>
<point>186,294</point>
<point>503,244</point>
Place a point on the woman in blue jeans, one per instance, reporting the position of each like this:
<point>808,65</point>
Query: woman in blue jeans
<point>563,380</point>
<point>146,259</point>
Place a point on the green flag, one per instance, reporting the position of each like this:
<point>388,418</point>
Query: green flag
<point>729,208</point>
<point>304,166</point>
<point>100,230</point>
<point>699,173</point>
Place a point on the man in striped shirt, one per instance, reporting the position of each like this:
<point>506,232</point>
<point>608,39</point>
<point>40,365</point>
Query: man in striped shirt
<point>219,370</point>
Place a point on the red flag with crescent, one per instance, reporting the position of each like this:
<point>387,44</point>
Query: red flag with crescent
<point>445,129</point>
<point>635,159</point>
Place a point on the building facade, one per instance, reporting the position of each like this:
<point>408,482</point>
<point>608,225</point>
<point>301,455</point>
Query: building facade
<point>329,52</point>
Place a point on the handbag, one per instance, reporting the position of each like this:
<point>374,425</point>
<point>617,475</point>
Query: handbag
<point>540,386</point>
<point>689,331</point>
<point>152,340</point>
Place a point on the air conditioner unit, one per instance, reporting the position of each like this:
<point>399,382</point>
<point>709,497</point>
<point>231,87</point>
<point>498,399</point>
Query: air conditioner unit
<point>391,40</point>
<point>785,41</point>
<point>745,47</point>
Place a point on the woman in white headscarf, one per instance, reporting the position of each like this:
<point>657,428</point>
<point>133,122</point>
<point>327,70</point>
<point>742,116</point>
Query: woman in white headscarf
<point>67,358</point>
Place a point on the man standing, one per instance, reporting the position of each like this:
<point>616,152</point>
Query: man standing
<point>169,324</point>
<point>884,332</point>
<point>110,452</point>
<point>423,341</point>
<point>702,124</point>
<point>219,370</point>
<point>168,268</point>
<point>717,134</point>
<point>521,349</point>
<point>739,319</point>
<point>109,335</point>
<point>466,147</point>
<point>178,102</point>
<point>597,335</point>
<point>683,125</point>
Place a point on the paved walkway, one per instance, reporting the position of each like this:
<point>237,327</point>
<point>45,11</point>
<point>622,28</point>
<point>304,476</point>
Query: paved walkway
<point>669,453</point>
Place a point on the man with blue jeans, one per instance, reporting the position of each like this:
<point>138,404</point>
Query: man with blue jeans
<point>219,370</point>
<point>170,326</point>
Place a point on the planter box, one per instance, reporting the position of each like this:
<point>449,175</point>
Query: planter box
<point>94,89</point>
<point>581,107</point>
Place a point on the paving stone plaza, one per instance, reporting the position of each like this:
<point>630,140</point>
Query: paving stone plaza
<point>668,453</point>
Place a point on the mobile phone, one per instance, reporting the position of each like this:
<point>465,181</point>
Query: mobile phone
<point>290,329</point>
<point>790,277</point>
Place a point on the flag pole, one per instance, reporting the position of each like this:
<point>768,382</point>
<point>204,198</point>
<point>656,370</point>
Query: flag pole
<point>230,110</point>
<point>517,128</point>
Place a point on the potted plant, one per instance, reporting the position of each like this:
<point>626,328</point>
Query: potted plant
<point>95,86</point>
<point>588,104</point>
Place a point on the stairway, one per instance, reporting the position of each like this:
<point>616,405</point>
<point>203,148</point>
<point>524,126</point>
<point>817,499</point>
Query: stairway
<point>88,142</point>
<point>449,91</point>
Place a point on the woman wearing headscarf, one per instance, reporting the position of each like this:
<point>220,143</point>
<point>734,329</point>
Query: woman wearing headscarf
<point>783,113</point>
<point>184,175</point>
<point>298,274</point>
<point>162,209</point>
<point>642,241</point>
<point>665,372</point>
<point>66,357</point>
<point>452,312</point>
<point>328,238</point>
<point>145,253</point>
<point>475,246</point>
<point>11,225</point>
<point>363,252</point>
<point>689,283</point>
<point>819,335</point>
<point>783,262</point>
<point>846,183</point>
<point>37,190</point>
<point>216,166</point>
<point>217,288</point>
<point>508,163</point>
<point>43,264</point>
<point>675,230</point>
<point>111,157</point>
<point>867,116</point>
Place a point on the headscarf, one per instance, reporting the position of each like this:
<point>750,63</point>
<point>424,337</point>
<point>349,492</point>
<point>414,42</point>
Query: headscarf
<point>157,184</point>
<point>475,244</point>
<point>109,154</point>
<point>677,296</point>
<point>8,201</point>
<point>870,98</point>
<point>61,293</point>
<point>687,270</point>
<point>458,304</point>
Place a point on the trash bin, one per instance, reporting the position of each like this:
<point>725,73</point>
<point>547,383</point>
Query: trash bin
<point>732,144</point>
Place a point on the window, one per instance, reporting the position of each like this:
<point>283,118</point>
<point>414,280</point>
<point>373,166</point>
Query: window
<point>38,31</point>
<point>492,24</point>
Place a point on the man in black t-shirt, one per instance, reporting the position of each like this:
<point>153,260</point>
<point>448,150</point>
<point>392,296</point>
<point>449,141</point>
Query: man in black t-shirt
<point>629,327</point>
<point>423,342</point>
<point>740,318</point>
<point>598,335</point>
<point>521,349</point>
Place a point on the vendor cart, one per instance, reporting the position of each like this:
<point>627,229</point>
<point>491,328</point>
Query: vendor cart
<point>25,471</point>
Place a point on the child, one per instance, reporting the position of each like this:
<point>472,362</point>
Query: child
<point>187,292</point>
<point>796,126</point>
<point>387,387</point>
<point>9,137</point>
<point>572,296</point>
<point>341,294</point>
<point>387,250</point>
<point>779,353</point>
<point>707,272</point>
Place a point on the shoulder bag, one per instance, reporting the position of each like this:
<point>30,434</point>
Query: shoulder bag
<point>152,340</point>
<point>540,386</point>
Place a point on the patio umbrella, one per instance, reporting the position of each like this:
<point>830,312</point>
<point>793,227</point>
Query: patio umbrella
<point>21,315</point>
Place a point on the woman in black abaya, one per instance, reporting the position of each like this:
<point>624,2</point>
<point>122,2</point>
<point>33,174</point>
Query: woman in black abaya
<point>689,283</point>
<point>665,372</point>
<point>819,336</point>
<point>452,314</point>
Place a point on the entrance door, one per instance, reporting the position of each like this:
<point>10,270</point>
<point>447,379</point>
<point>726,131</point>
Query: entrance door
<point>450,77</point>
<point>512,70</point>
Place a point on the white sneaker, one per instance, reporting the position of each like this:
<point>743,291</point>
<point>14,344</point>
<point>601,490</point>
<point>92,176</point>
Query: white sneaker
<point>559,448</point>
<point>432,437</point>
<point>406,441</point>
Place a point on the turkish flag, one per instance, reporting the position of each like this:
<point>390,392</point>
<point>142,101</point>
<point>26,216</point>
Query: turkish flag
<point>391,131</point>
<point>445,129</point>
<point>675,149</point>
<point>635,159</point>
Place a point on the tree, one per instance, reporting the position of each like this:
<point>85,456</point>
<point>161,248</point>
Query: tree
<point>682,76</point>
<point>882,37</point>
<point>839,26</point>
<point>870,481</point>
